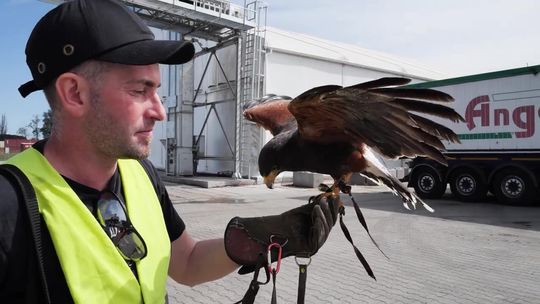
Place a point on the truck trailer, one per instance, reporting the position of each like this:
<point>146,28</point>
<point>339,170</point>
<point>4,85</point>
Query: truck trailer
<point>500,146</point>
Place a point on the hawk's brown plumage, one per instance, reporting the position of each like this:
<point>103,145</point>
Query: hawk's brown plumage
<point>332,130</point>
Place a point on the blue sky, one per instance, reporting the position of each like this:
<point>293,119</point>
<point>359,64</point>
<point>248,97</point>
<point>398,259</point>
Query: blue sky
<point>17,18</point>
<point>456,37</point>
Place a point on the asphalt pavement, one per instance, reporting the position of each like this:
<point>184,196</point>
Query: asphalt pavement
<point>462,253</point>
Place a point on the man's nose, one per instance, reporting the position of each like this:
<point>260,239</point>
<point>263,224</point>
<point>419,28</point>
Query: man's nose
<point>158,110</point>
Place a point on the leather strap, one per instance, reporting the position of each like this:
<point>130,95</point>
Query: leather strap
<point>302,277</point>
<point>253,289</point>
<point>34,218</point>
<point>362,220</point>
<point>274,299</point>
<point>358,253</point>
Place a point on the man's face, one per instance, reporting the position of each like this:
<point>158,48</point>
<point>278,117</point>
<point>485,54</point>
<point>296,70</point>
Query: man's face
<point>124,109</point>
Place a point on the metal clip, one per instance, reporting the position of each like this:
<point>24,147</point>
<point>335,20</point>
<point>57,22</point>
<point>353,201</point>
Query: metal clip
<point>269,257</point>
<point>302,261</point>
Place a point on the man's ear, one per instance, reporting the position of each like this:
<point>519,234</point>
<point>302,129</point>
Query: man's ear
<point>73,93</point>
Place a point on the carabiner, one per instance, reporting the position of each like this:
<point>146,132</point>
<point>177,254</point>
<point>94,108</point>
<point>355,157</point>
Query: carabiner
<point>269,256</point>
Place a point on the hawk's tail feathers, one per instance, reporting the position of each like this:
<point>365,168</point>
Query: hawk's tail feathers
<point>378,173</point>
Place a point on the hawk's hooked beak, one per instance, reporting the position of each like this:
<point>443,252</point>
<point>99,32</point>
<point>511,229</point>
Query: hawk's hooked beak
<point>269,179</point>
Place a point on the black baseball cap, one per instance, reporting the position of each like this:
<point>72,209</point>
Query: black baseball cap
<point>105,30</point>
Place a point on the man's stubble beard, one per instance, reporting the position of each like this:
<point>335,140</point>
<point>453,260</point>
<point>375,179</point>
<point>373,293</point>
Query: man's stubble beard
<point>108,135</point>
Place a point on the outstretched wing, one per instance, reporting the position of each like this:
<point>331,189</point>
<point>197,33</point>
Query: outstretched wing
<point>271,112</point>
<point>377,115</point>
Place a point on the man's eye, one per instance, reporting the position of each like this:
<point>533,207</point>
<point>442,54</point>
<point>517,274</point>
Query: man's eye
<point>136,92</point>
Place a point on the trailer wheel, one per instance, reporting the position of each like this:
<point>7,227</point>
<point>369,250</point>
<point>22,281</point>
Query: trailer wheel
<point>466,185</point>
<point>513,186</point>
<point>426,183</point>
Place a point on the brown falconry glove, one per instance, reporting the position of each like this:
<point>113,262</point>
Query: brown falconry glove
<point>300,232</point>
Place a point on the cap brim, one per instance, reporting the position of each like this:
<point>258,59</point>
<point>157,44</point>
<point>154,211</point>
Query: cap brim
<point>151,51</point>
<point>28,88</point>
<point>138,53</point>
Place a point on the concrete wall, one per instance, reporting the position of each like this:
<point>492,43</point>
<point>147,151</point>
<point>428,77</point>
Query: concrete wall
<point>214,88</point>
<point>170,86</point>
<point>291,74</point>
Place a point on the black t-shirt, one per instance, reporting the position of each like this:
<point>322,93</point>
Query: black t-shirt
<point>17,256</point>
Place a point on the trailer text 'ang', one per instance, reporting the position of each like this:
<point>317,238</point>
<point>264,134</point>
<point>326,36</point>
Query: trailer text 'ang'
<point>500,144</point>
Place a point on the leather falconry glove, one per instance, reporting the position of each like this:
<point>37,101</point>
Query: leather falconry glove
<point>300,232</point>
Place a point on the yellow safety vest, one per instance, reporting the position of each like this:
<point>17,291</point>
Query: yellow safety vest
<point>95,272</point>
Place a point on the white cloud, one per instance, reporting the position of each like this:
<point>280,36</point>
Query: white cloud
<point>459,37</point>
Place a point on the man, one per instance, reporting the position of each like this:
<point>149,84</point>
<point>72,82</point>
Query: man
<point>110,232</point>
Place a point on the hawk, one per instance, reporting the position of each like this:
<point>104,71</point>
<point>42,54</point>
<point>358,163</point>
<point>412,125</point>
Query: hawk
<point>335,130</point>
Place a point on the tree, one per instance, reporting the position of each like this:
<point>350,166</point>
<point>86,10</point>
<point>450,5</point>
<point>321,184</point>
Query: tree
<point>3,124</point>
<point>23,132</point>
<point>34,126</point>
<point>47,124</point>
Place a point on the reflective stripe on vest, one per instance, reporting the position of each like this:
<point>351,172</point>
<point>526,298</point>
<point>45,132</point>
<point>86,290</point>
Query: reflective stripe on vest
<point>95,272</point>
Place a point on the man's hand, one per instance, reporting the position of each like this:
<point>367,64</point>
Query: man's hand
<point>300,232</point>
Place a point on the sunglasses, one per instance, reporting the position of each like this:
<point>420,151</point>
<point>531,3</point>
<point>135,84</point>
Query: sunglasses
<point>112,216</point>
